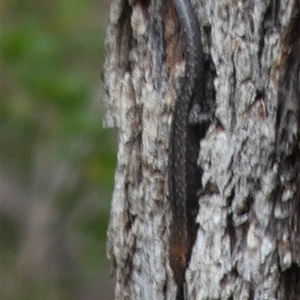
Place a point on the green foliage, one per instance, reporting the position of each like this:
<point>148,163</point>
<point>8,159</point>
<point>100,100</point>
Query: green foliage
<point>53,52</point>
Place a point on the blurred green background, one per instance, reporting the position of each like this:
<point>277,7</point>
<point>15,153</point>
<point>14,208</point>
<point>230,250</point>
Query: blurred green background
<point>57,160</point>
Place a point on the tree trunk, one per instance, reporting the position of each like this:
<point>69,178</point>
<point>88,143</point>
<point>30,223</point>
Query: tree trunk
<point>248,242</point>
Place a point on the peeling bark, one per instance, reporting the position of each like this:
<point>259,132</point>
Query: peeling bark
<point>248,242</point>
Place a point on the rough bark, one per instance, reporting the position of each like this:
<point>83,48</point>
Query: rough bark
<point>248,242</point>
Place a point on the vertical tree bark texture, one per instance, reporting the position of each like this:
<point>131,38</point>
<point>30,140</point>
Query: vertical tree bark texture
<point>248,242</point>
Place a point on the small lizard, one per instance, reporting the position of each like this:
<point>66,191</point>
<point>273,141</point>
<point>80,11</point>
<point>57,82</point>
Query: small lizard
<point>189,125</point>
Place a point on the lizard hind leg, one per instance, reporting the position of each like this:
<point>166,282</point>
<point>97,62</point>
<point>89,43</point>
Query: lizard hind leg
<point>197,116</point>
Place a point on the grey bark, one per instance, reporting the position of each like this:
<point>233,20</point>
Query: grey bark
<point>248,242</point>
